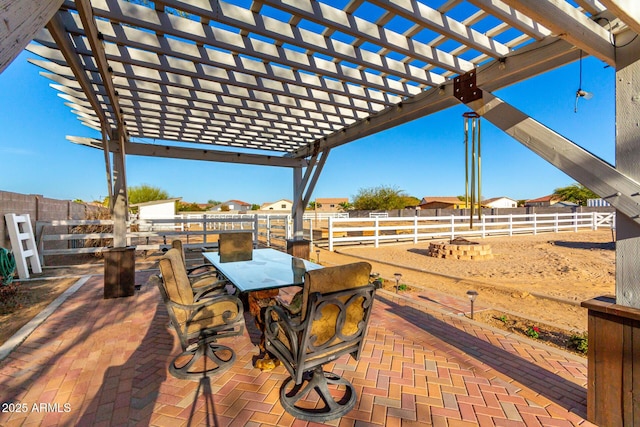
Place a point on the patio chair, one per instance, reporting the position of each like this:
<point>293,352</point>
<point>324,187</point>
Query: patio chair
<point>199,324</point>
<point>204,282</point>
<point>336,305</point>
<point>236,246</point>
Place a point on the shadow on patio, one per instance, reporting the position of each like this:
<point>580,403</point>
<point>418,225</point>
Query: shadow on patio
<point>108,359</point>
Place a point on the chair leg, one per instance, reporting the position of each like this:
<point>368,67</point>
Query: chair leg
<point>191,365</point>
<point>319,381</point>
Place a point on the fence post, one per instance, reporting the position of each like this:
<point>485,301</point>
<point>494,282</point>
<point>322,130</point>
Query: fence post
<point>535,224</point>
<point>205,223</point>
<point>510,225</point>
<point>330,233</point>
<point>268,223</point>
<point>555,223</point>
<point>415,230</point>
<point>453,227</point>
<point>376,233</point>
<point>483,227</point>
<point>594,221</point>
<point>575,221</point>
<point>255,230</point>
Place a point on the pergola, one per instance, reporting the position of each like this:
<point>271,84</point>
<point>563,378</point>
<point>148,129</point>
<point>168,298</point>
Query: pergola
<point>283,82</point>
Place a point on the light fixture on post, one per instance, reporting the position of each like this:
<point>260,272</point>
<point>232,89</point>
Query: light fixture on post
<point>472,297</point>
<point>398,276</point>
<point>580,93</point>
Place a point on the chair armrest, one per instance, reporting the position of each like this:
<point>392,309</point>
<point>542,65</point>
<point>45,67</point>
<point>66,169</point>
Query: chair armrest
<point>195,308</point>
<point>210,269</point>
<point>210,291</point>
<point>277,319</point>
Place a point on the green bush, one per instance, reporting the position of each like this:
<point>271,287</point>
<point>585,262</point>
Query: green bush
<point>580,342</point>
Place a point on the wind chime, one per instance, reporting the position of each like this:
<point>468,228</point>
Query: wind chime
<point>473,175</point>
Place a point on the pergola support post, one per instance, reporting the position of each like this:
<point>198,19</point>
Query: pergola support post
<point>303,186</point>
<point>613,391</point>
<point>119,261</point>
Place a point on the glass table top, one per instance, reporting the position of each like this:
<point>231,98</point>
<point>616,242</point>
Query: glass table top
<point>268,269</point>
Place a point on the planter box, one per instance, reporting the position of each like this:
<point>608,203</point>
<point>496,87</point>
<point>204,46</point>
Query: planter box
<point>613,390</point>
<point>119,272</point>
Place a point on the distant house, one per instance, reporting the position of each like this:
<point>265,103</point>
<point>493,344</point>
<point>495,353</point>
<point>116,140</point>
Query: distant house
<point>156,209</point>
<point>232,206</point>
<point>597,203</point>
<point>330,204</point>
<point>441,202</point>
<point>565,204</point>
<point>280,205</point>
<point>543,202</point>
<point>500,202</point>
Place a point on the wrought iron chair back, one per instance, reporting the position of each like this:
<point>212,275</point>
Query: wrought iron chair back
<point>336,307</point>
<point>199,324</point>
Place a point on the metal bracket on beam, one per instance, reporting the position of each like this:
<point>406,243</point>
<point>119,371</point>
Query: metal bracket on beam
<point>465,88</point>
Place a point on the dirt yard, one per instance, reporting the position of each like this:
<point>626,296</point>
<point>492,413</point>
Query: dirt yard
<point>541,277</point>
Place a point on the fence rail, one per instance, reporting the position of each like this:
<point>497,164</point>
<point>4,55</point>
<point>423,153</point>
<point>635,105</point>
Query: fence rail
<point>70,237</point>
<point>378,230</point>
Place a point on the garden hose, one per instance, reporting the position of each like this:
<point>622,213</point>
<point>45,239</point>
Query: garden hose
<point>7,266</point>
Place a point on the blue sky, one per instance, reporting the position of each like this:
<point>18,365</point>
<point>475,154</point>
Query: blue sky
<point>423,158</point>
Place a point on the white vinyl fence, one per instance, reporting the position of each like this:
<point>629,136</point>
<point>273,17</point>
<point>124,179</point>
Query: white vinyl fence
<point>346,231</point>
<point>69,237</point>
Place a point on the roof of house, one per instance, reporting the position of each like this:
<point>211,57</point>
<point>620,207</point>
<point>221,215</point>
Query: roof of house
<point>548,198</point>
<point>493,199</point>
<point>273,203</point>
<point>236,202</point>
<point>154,202</point>
<point>440,199</point>
<point>332,200</point>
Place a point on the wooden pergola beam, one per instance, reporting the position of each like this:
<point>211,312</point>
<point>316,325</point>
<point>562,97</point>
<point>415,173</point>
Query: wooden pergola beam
<point>172,152</point>
<point>627,10</point>
<point>21,21</point>
<point>527,62</point>
<point>568,23</point>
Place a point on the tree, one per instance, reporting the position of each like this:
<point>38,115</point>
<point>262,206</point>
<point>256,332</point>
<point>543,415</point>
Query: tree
<point>146,193</point>
<point>188,207</point>
<point>255,207</point>
<point>410,201</point>
<point>576,193</point>
<point>311,205</point>
<point>345,206</point>
<point>213,202</point>
<point>380,198</point>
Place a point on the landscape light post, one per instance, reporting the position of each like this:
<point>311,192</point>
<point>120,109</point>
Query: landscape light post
<point>397,276</point>
<point>472,297</point>
<point>317,256</point>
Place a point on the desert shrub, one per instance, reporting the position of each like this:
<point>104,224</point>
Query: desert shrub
<point>89,229</point>
<point>9,298</point>
<point>533,332</point>
<point>579,342</point>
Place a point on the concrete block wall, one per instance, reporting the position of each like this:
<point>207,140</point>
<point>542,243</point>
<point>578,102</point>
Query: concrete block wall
<point>40,208</point>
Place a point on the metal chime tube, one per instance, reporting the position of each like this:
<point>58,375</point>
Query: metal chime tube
<point>472,124</point>
<point>466,163</point>
<point>473,171</point>
<point>477,119</point>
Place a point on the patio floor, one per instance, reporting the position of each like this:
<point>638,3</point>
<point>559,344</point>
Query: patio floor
<point>98,362</point>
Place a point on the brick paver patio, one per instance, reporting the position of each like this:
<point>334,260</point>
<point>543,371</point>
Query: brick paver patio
<point>97,362</point>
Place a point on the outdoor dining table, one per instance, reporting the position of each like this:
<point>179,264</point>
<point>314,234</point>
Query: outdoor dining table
<point>261,278</point>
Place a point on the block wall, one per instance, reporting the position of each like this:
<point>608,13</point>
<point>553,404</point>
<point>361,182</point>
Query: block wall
<point>40,208</point>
